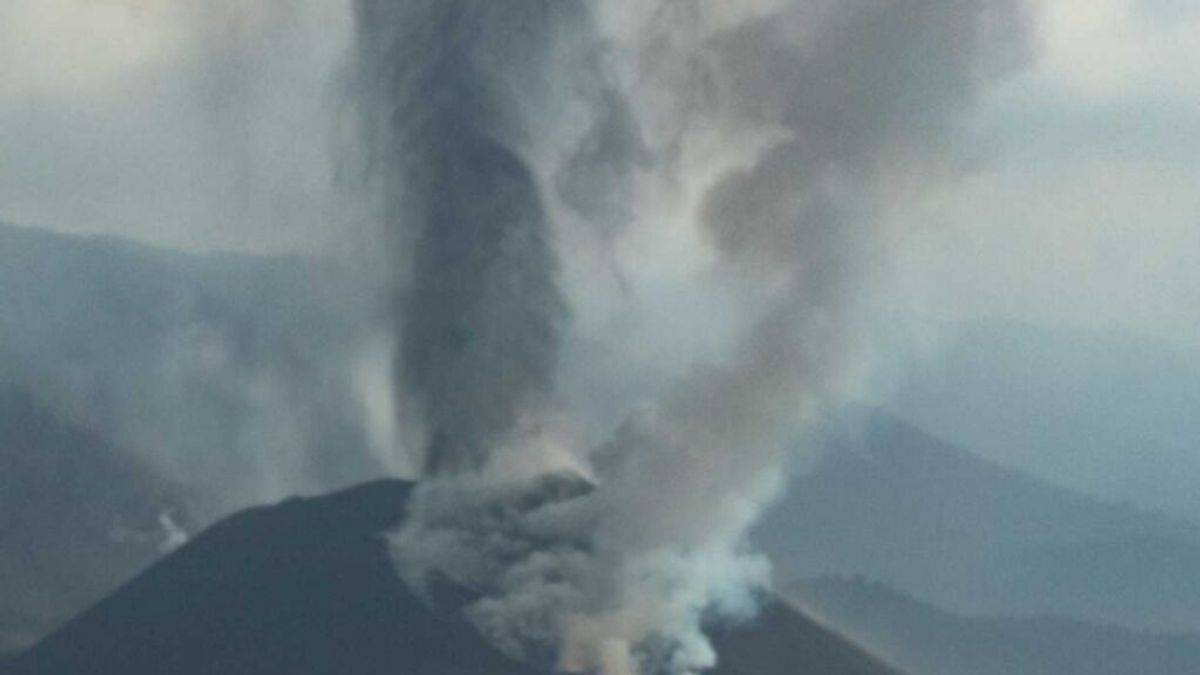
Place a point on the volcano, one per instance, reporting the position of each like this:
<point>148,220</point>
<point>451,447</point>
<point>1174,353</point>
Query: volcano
<point>306,587</point>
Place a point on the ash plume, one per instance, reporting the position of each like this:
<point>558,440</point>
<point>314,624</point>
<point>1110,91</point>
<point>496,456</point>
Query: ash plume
<point>766,141</point>
<point>479,310</point>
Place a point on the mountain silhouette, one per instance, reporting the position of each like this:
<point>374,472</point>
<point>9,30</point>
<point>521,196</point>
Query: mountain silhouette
<point>306,587</point>
<point>1101,411</point>
<point>927,640</point>
<point>195,362</point>
<point>893,503</point>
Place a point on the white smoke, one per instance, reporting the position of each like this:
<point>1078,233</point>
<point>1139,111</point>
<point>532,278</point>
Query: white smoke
<point>534,155</point>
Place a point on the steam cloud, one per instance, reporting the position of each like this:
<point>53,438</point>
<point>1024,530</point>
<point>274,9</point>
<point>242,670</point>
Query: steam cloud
<point>513,144</point>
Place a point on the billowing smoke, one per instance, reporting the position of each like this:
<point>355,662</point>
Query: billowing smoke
<point>480,312</point>
<point>544,166</point>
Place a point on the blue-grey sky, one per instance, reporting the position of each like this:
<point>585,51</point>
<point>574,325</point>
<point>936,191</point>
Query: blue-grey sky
<point>1083,208</point>
<point>193,125</point>
<point>208,125</point>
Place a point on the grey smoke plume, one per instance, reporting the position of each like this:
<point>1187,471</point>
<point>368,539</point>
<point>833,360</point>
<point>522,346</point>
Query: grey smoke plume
<point>765,140</point>
<point>480,311</point>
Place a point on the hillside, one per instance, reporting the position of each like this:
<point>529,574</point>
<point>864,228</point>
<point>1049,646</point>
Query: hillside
<point>1108,413</point>
<point>143,389</point>
<point>924,639</point>
<point>893,503</point>
<point>306,587</point>
<point>78,517</point>
<point>230,371</point>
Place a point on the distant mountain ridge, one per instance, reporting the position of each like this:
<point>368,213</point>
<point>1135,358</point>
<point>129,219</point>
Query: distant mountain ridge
<point>144,389</point>
<point>1105,412</point>
<point>197,362</point>
<point>893,503</point>
<point>926,640</point>
<point>306,588</point>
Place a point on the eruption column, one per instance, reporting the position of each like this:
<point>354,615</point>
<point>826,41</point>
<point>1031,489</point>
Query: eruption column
<point>487,122</point>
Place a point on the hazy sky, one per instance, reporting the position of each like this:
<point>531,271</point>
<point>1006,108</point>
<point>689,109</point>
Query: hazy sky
<point>190,124</point>
<point>206,125</point>
<point>1084,206</point>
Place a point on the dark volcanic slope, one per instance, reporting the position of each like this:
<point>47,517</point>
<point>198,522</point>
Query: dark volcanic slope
<point>303,587</point>
<point>78,517</point>
<point>306,587</point>
<point>782,641</point>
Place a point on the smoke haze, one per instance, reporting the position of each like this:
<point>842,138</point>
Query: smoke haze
<point>770,141</point>
<point>592,269</point>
